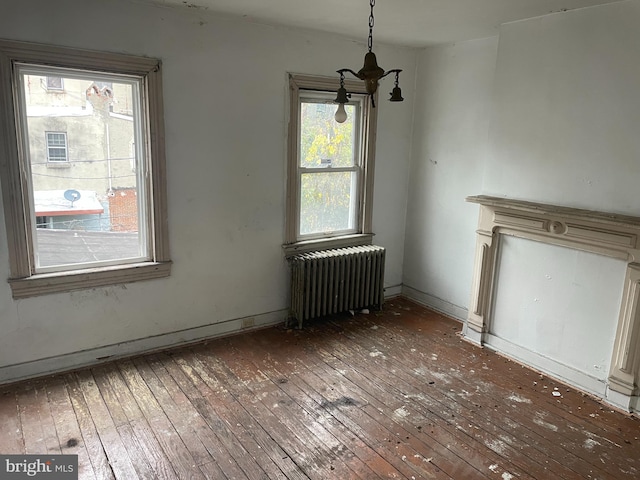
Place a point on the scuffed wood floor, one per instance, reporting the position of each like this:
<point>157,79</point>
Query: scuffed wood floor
<point>392,394</point>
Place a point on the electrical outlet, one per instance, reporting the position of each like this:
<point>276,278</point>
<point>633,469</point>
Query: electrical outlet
<point>248,322</point>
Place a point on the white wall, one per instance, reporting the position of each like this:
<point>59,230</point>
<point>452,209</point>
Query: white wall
<point>225,90</point>
<point>565,307</point>
<point>566,114</point>
<point>453,104</point>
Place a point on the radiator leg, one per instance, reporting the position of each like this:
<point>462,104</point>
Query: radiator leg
<point>381,301</point>
<point>293,321</point>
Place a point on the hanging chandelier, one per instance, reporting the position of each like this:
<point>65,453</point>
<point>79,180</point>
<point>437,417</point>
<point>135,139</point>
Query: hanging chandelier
<point>370,73</point>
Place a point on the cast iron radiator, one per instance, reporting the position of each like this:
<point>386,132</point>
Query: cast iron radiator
<point>336,280</point>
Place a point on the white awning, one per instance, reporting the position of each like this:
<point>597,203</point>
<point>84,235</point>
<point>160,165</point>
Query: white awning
<point>51,203</point>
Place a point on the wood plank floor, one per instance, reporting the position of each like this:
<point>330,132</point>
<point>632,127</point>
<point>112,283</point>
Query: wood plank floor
<point>392,394</point>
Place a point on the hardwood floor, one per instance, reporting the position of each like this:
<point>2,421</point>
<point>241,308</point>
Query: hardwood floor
<point>392,394</point>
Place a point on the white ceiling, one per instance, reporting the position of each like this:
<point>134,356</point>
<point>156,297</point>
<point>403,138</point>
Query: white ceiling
<point>416,23</point>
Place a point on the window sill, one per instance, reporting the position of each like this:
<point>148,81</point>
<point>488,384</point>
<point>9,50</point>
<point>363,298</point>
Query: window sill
<point>291,249</point>
<point>58,165</point>
<point>45,283</point>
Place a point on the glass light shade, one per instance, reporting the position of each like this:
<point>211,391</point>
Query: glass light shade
<point>341,114</point>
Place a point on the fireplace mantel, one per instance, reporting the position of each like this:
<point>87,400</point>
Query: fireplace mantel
<point>602,233</point>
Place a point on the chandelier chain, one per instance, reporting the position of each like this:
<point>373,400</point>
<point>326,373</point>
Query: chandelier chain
<point>371,22</point>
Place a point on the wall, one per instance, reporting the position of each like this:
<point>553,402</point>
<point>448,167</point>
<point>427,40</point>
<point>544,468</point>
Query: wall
<point>123,210</point>
<point>565,307</point>
<point>566,112</point>
<point>225,99</point>
<point>453,104</point>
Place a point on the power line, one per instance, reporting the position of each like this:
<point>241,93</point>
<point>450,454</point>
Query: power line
<point>116,159</point>
<point>82,178</point>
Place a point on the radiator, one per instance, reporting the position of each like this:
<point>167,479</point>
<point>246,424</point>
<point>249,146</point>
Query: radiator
<point>337,280</point>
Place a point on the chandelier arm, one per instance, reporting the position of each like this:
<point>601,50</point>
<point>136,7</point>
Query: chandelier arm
<point>397,70</point>
<point>342,70</point>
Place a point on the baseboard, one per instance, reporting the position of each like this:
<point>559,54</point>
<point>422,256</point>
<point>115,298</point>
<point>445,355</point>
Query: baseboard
<point>392,291</point>
<point>620,400</point>
<point>562,372</point>
<point>569,375</point>
<point>85,358</point>
<point>435,303</point>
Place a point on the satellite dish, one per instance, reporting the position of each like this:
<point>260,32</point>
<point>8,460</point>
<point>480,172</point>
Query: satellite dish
<point>72,195</point>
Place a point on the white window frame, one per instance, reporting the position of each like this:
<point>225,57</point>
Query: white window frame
<point>19,221</point>
<point>65,146</point>
<point>362,233</point>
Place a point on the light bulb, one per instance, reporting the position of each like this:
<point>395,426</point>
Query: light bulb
<point>341,114</point>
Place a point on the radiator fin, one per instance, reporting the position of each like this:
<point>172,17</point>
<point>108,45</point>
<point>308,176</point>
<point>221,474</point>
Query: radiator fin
<point>333,281</point>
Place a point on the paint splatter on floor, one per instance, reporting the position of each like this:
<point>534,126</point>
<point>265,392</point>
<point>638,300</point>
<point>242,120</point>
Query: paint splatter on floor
<point>589,443</point>
<point>517,398</point>
<point>401,412</point>
<point>538,420</point>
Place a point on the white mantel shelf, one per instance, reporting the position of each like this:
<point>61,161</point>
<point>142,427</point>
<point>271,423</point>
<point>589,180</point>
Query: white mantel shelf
<point>603,233</point>
<point>554,210</point>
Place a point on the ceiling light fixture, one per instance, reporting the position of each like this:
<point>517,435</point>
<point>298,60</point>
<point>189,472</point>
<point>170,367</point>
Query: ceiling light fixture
<point>371,73</point>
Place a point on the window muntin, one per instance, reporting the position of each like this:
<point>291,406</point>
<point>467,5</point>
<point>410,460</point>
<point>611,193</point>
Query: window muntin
<point>57,147</point>
<point>89,213</point>
<point>26,280</point>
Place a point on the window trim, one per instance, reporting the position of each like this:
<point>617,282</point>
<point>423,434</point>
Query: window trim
<point>292,243</point>
<point>24,282</point>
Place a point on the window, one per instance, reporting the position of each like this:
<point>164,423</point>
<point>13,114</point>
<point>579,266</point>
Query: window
<point>54,83</point>
<point>68,229</point>
<point>57,147</point>
<point>330,166</point>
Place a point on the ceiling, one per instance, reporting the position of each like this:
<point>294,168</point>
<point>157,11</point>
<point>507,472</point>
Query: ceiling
<point>415,23</point>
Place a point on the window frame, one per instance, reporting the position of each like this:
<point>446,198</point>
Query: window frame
<point>66,147</point>
<point>23,280</point>
<point>294,242</point>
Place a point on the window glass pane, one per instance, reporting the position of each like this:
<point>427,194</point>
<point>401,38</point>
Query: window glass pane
<point>323,141</point>
<point>327,204</point>
<point>54,83</point>
<point>92,211</point>
<point>55,139</point>
<point>57,155</point>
